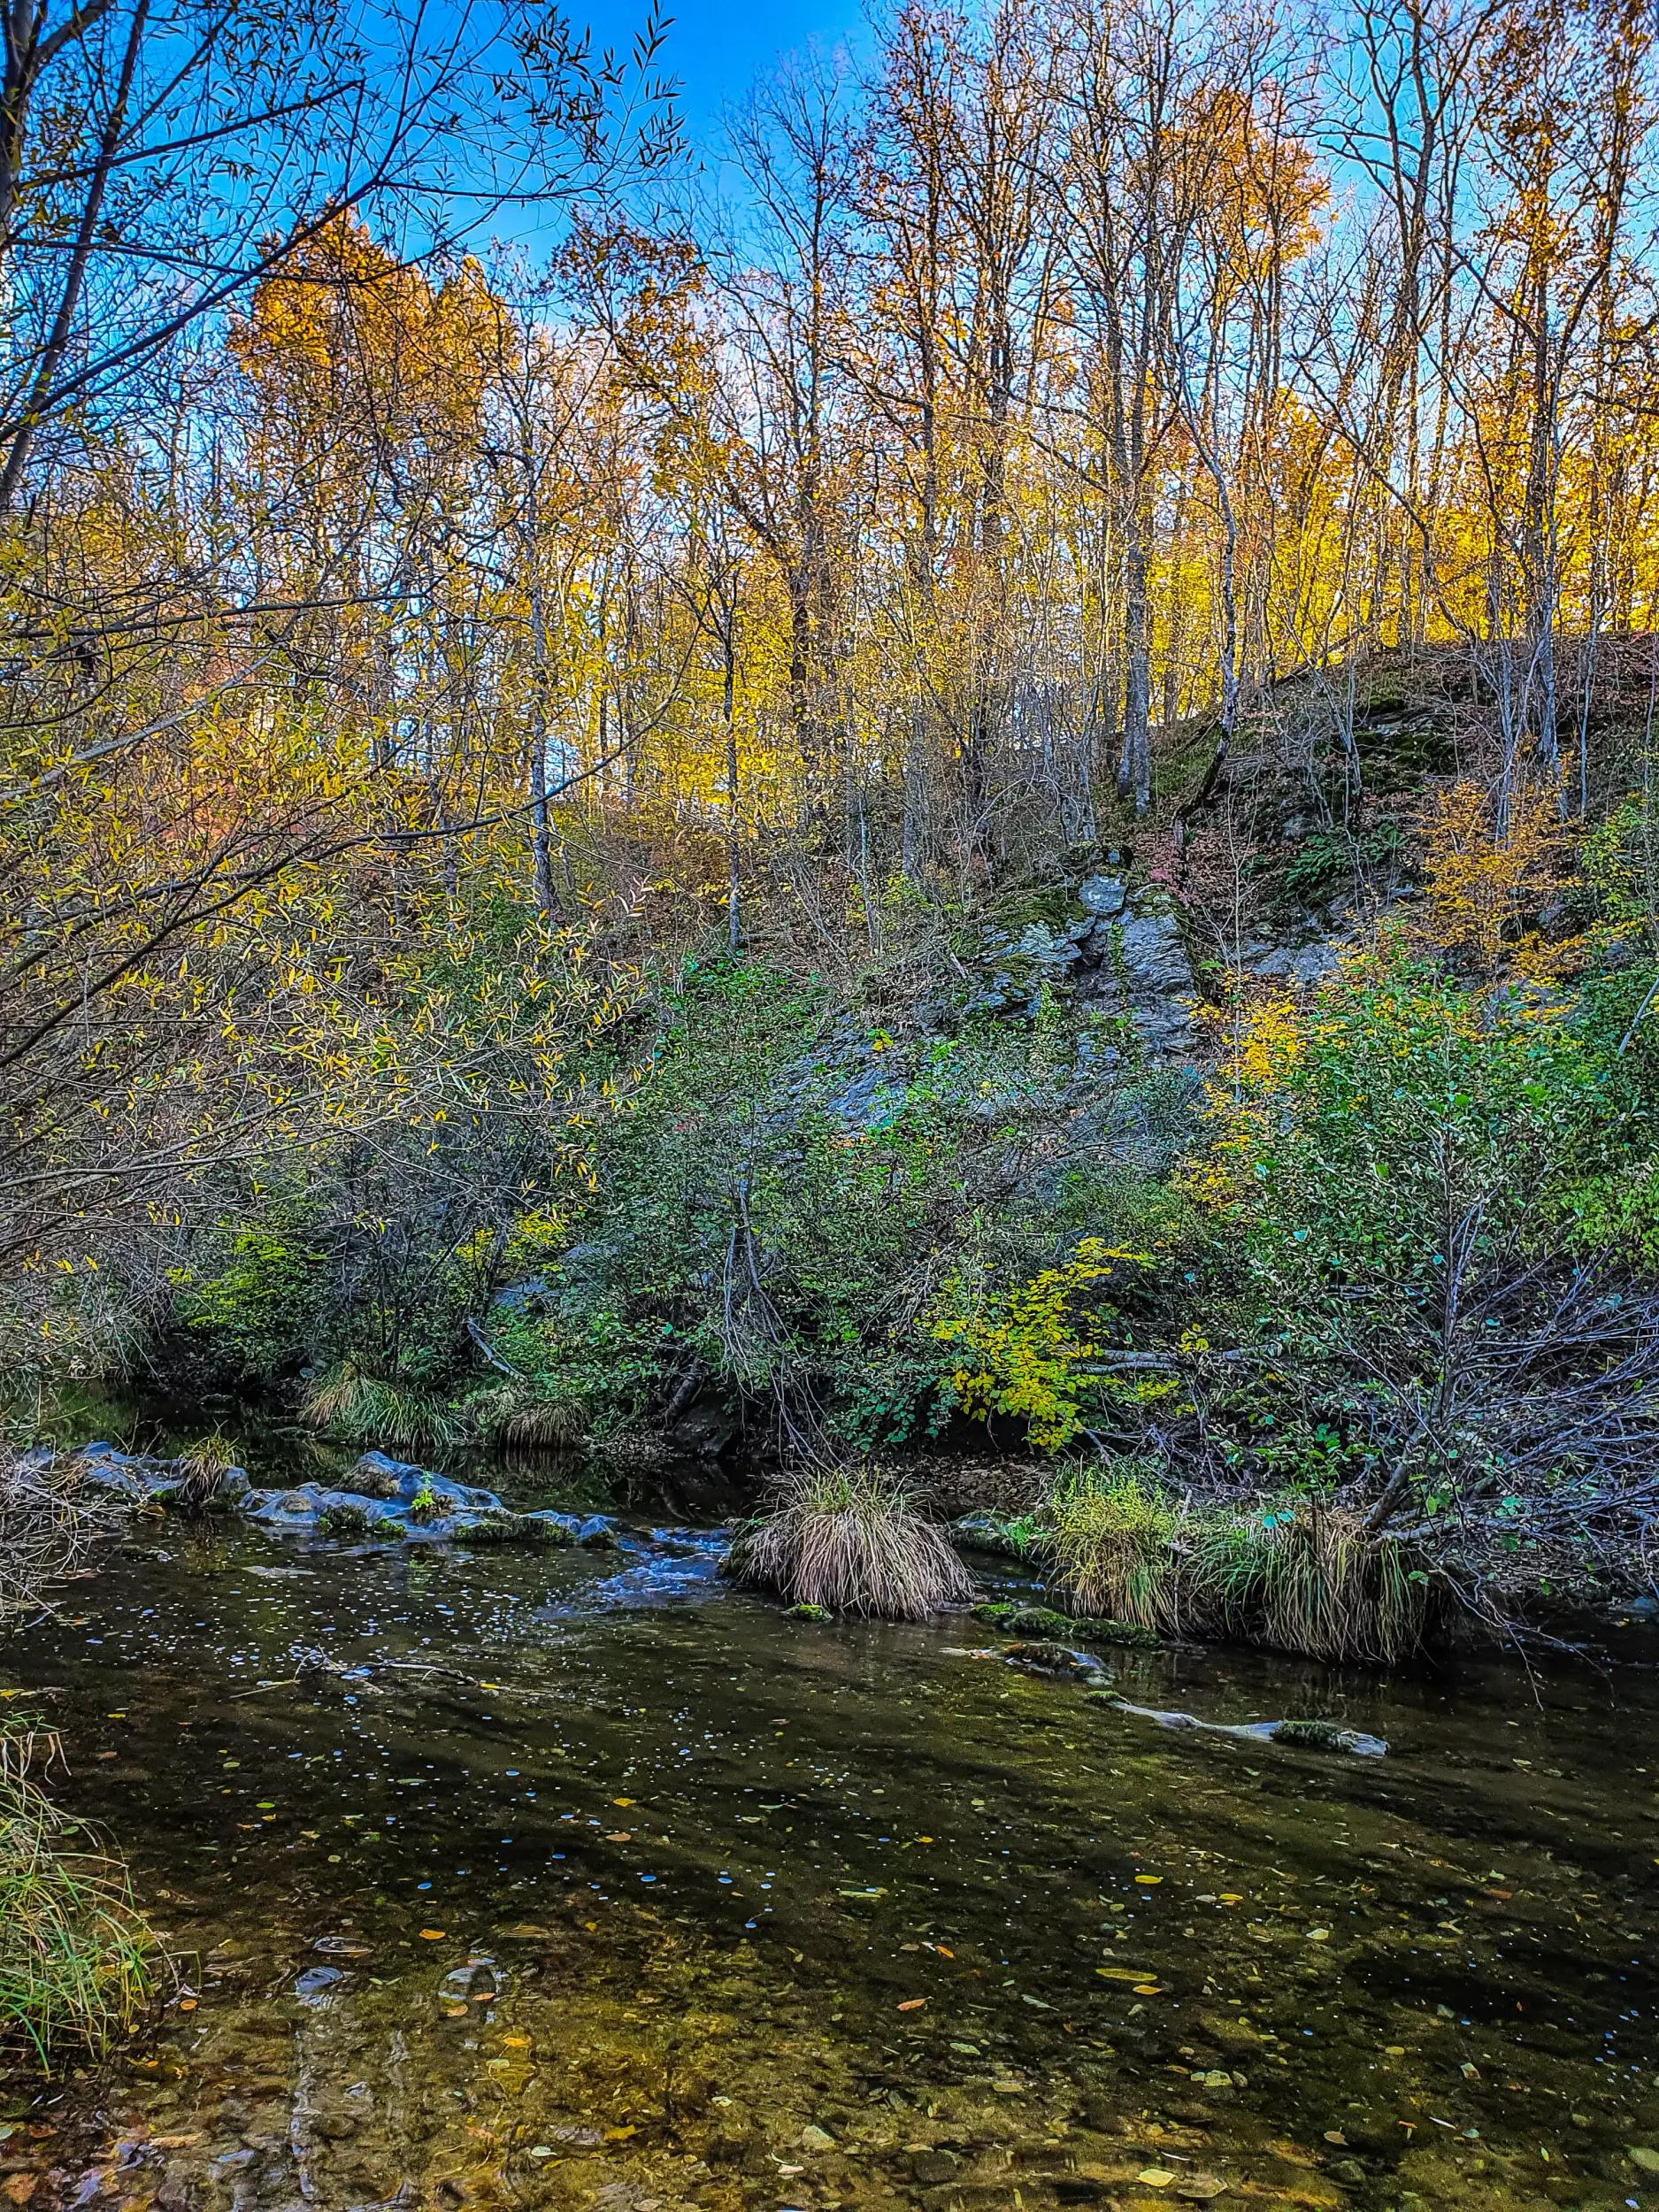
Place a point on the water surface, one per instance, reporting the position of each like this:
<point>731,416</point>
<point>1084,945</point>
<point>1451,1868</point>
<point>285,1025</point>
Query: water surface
<point>582,1880</point>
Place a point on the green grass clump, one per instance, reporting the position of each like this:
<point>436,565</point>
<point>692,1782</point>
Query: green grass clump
<point>518,1417</point>
<point>77,1959</point>
<point>851,1540</point>
<point>368,1410</point>
<point>203,1466</point>
<point>1112,1537</point>
<point>1306,1575</point>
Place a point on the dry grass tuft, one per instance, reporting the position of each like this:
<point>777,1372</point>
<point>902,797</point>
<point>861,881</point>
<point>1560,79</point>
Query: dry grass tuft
<point>851,1540</point>
<point>203,1465</point>
<point>1308,1577</point>
<point>518,1418</point>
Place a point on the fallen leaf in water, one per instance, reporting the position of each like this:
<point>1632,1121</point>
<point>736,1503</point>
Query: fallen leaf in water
<point>186,2004</point>
<point>1201,2188</point>
<point>620,2135</point>
<point>912,2004</point>
<point>20,2188</point>
<point>1336,2136</point>
<point>1148,1989</point>
<point>619,1835</point>
<point>943,1949</point>
<point>432,1935</point>
<point>527,1929</point>
<point>516,2042</point>
<point>1155,2176</point>
<point>1148,1881</point>
<point>625,1801</point>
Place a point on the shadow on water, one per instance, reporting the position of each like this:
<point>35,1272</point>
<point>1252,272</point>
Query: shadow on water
<point>580,1880</point>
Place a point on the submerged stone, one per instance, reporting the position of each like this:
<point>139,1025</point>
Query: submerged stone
<point>1328,1735</point>
<point>1311,1735</point>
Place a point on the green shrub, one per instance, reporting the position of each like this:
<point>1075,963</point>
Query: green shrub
<point>251,1310</point>
<point>1409,1181</point>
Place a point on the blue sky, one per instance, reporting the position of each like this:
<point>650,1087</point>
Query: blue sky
<point>717,49</point>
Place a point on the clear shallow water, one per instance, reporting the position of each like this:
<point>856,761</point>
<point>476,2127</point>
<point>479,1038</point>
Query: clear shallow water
<point>570,1880</point>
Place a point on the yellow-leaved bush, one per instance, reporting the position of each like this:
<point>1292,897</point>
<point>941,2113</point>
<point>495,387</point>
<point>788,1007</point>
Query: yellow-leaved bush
<point>1027,1351</point>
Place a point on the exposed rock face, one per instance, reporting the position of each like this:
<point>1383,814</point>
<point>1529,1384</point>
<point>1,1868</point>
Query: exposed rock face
<point>1303,967</point>
<point>1129,958</point>
<point>1142,969</point>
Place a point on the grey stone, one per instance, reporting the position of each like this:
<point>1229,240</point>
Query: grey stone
<point>1304,966</point>
<point>1105,895</point>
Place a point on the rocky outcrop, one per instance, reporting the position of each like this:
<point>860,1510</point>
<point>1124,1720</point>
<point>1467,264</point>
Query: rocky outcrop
<point>388,1501</point>
<point>1122,953</point>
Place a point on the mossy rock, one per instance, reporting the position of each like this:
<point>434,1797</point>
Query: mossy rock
<point>804,1612</point>
<point>1042,1657</point>
<point>345,1521</point>
<point>1327,1735</point>
<point>532,1530</point>
<point>1043,1621</point>
<point>993,1532</point>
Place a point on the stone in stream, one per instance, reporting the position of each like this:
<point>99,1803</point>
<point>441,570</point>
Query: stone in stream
<point>410,1504</point>
<point>1043,1621</point>
<point>1308,1735</point>
<point>144,1479</point>
<point>1049,1658</point>
<point>992,1532</point>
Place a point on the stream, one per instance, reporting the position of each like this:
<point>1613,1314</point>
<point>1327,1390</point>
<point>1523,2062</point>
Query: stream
<point>519,1878</point>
